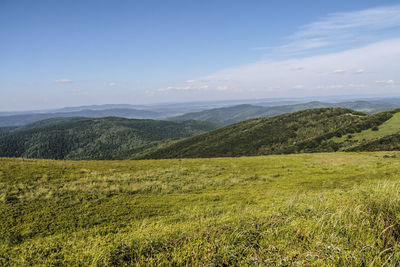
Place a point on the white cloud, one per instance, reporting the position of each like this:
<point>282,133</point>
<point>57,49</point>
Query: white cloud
<point>359,35</point>
<point>297,68</point>
<point>359,71</point>
<point>332,86</point>
<point>149,93</point>
<point>345,28</point>
<point>112,84</point>
<point>222,87</point>
<point>385,81</point>
<point>277,78</point>
<point>63,81</point>
<point>350,85</point>
<point>375,18</point>
<point>339,71</point>
<point>174,88</point>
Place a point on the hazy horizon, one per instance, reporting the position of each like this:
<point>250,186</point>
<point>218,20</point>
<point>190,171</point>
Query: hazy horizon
<point>229,102</point>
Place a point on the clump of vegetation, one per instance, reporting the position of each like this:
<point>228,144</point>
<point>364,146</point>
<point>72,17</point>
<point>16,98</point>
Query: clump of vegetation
<point>303,209</point>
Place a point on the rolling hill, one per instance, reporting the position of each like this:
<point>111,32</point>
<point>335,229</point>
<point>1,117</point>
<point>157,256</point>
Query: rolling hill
<point>303,131</point>
<point>311,130</point>
<point>82,138</point>
<point>229,115</point>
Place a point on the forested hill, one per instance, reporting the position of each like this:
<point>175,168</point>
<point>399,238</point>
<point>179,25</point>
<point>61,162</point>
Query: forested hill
<point>313,130</point>
<point>104,138</point>
<point>303,131</point>
<point>229,115</point>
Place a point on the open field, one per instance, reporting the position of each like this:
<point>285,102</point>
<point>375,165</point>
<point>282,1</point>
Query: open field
<point>328,208</point>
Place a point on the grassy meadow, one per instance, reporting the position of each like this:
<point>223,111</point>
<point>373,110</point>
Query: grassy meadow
<point>300,209</point>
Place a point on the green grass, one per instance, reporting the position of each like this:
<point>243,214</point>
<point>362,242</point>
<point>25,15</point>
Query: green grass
<point>303,209</point>
<point>389,127</point>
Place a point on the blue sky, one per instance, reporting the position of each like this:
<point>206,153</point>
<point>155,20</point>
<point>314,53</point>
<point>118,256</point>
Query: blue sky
<point>67,53</point>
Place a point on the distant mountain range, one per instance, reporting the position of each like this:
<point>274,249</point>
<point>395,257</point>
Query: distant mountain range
<point>224,115</point>
<point>233,114</point>
<point>22,119</point>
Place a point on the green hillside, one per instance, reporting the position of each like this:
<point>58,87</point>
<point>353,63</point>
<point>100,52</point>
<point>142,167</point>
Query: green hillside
<point>104,138</point>
<point>229,115</point>
<point>384,137</point>
<point>225,115</point>
<point>302,131</point>
<point>389,127</point>
<point>313,130</point>
<point>6,130</point>
<point>334,209</point>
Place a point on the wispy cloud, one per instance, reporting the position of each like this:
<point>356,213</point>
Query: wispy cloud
<point>341,29</point>
<point>112,84</point>
<point>385,81</point>
<point>362,42</point>
<point>63,81</point>
<point>314,75</point>
<point>359,71</point>
<point>338,71</point>
<point>174,88</point>
<point>221,87</point>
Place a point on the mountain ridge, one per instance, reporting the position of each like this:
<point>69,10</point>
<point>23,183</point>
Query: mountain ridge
<point>233,114</point>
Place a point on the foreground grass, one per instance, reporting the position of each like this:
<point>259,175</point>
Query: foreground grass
<point>334,208</point>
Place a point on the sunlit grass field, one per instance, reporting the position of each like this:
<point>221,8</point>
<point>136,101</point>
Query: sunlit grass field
<point>315,209</point>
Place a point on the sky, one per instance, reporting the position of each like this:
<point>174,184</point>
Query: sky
<point>69,53</point>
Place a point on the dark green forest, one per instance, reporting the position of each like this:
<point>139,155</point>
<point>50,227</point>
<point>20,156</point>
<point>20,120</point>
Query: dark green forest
<point>105,138</point>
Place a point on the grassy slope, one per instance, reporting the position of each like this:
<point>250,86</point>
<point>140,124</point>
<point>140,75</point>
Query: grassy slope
<point>388,128</point>
<point>337,209</point>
